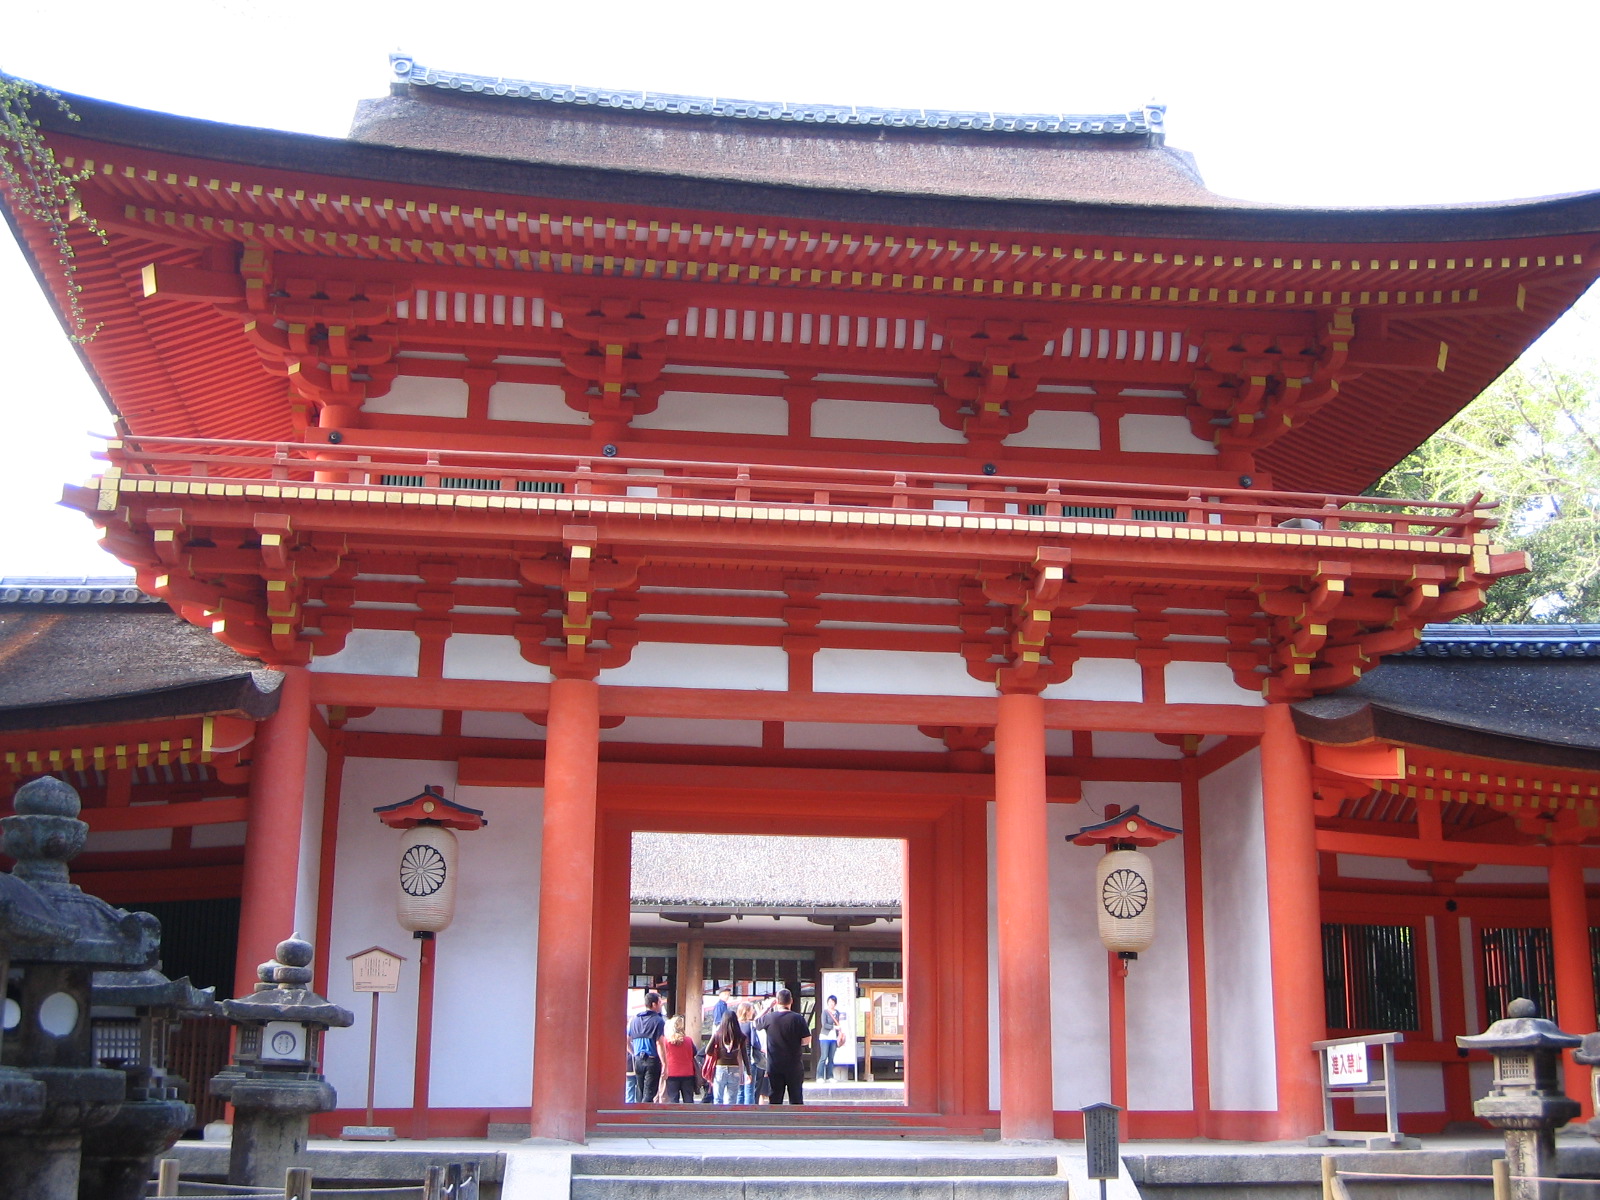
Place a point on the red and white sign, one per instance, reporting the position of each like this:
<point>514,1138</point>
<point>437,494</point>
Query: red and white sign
<point>1347,1065</point>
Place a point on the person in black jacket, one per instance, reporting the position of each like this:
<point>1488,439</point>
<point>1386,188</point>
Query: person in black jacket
<point>788,1034</point>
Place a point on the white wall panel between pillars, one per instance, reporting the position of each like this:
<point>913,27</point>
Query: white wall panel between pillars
<point>500,725</point>
<point>881,421</point>
<point>1080,1004</point>
<point>308,882</point>
<point>542,402</point>
<point>716,412</point>
<point>374,652</point>
<point>363,916</point>
<point>485,980</point>
<point>1152,433</point>
<point>1243,1057</point>
<point>673,731</point>
<point>1207,683</point>
<point>1157,986</point>
<point>420,396</point>
<point>428,722</point>
<point>1059,431</point>
<point>1100,679</point>
<point>898,673</point>
<point>807,735</point>
<point>671,664</point>
<point>489,656</point>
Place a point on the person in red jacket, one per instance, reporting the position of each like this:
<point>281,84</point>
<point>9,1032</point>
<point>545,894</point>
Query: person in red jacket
<point>677,1063</point>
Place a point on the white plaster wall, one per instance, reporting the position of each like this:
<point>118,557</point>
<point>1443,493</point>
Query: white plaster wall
<point>374,652</point>
<point>673,664</point>
<point>1501,873</point>
<point>716,412</point>
<point>1080,1012</point>
<point>1207,683</point>
<point>1157,987</point>
<point>897,673</point>
<point>309,878</point>
<point>543,402</point>
<point>1238,949</point>
<point>429,722</point>
<point>671,731</point>
<point>228,833</point>
<point>1099,679</point>
<point>1059,431</point>
<point>419,396</point>
<point>1360,866</point>
<point>131,839</point>
<point>484,979</point>
<point>486,982</point>
<point>1151,433</point>
<point>500,725</point>
<point>1112,743</point>
<point>489,656</point>
<point>806,735</point>
<point>880,421</point>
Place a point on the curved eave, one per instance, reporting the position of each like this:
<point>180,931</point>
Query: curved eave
<point>1513,719</point>
<point>100,120</point>
<point>239,696</point>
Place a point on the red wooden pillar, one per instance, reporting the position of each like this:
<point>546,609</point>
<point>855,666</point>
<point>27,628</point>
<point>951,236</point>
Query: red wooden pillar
<point>1294,909</point>
<point>1569,939</point>
<point>566,912</point>
<point>1022,898</point>
<point>272,839</point>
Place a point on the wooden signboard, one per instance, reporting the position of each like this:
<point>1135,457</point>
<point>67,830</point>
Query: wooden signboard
<point>375,970</point>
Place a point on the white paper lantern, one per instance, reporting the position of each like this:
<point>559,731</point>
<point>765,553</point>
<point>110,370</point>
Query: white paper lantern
<point>1124,885</point>
<point>427,883</point>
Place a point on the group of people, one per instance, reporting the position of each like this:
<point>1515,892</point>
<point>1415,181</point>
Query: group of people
<point>753,1056</point>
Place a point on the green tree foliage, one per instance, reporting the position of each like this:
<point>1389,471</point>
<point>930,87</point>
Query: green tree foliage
<point>1532,442</point>
<point>40,188</point>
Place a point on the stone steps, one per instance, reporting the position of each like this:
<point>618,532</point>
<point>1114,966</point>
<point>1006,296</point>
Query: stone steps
<point>767,1121</point>
<point>650,1176</point>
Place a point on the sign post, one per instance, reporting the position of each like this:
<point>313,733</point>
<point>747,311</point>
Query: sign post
<point>373,970</point>
<point>1101,1143</point>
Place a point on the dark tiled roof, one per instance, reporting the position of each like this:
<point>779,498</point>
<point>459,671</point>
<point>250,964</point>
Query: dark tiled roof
<point>1141,123</point>
<point>85,589</point>
<point>1508,641</point>
<point>1534,709</point>
<point>1116,159</point>
<point>67,663</point>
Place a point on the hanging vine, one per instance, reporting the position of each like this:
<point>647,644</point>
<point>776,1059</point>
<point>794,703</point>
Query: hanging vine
<point>41,190</point>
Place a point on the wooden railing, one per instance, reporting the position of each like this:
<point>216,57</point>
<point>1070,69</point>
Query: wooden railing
<point>402,469</point>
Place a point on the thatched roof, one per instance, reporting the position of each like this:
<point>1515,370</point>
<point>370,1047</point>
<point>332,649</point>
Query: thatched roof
<point>719,870</point>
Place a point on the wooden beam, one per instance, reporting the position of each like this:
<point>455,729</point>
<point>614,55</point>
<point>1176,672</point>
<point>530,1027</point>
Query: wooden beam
<point>165,816</point>
<point>478,695</point>
<point>1431,850</point>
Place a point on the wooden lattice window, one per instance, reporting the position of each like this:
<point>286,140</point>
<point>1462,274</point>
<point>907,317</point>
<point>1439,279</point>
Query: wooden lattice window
<point>1517,962</point>
<point>1370,977</point>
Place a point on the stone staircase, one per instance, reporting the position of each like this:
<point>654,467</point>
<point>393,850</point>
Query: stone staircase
<point>599,1175</point>
<point>779,1121</point>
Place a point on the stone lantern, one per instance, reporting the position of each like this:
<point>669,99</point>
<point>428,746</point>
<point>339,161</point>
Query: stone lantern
<point>134,1013</point>
<point>273,1082</point>
<point>24,917</point>
<point>1588,1055</point>
<point>1526,1100</point>
<point>49,994</point>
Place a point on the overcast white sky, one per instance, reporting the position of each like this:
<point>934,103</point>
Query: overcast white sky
<point>1359,103</point>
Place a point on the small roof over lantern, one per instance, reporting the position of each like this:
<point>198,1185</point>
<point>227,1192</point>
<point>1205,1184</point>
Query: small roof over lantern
<point>429,807</point>
<point>1129,828</point>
